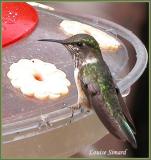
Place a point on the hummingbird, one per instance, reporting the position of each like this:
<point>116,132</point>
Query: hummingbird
<point>96,87</point>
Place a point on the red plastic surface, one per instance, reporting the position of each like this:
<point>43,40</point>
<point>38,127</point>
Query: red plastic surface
<point>18,20</point>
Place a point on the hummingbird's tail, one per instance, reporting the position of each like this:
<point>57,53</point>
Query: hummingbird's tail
<point>128,132</point>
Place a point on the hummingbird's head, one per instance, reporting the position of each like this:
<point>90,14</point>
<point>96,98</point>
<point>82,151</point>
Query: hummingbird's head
<point>79,46</point>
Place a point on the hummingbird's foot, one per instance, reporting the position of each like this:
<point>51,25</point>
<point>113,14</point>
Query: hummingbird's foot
<point>82,110</point>
<point>73,109</point>
<point>72,114</point>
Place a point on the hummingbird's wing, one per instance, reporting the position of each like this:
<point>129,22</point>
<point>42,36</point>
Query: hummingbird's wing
<point>92,92</point>
<point>113,118</point>
<point>119,128</point>
<point>125,109</point>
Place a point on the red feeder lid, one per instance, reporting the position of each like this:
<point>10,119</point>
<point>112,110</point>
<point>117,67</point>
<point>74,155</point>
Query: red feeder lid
<point>18,20</point>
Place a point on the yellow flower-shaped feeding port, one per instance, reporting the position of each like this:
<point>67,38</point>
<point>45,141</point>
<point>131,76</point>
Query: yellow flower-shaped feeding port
<point>38,79</point>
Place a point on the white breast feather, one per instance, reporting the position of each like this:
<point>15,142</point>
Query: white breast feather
<point>90,61</point>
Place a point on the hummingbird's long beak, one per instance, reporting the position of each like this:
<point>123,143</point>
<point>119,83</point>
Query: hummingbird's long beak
<point>53,40</point>
<point>63,42</point>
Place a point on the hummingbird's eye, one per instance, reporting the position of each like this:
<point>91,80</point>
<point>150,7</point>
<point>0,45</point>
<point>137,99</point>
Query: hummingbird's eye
<point>81,44</point>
